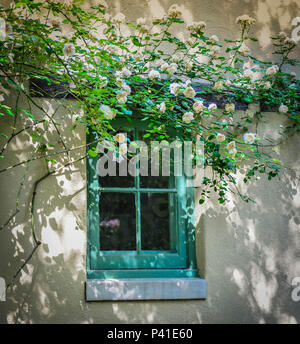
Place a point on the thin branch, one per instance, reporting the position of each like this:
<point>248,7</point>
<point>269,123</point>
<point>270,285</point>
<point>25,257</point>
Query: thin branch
<point>17,199</point>
<point>17,133</point>
<point>36,241</point>
<point>47,155</point>
<point>39,107</point>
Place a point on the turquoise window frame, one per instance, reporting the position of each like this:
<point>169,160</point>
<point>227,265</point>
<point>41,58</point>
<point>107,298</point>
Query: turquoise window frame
<point>140,264</point>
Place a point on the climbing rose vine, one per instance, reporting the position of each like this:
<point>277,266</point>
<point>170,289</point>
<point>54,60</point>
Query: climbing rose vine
<point>156,70</point>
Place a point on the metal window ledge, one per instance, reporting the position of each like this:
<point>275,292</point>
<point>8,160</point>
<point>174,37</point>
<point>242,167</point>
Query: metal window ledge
<point>145,289</point>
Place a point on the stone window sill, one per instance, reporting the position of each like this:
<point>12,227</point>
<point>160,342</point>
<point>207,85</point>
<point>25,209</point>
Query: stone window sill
<point>145,289</point>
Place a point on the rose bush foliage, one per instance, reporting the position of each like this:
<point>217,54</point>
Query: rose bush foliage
<point>147,70</point>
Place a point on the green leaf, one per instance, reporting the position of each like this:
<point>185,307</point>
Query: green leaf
<point>136,42</point>
<point>92,153</point>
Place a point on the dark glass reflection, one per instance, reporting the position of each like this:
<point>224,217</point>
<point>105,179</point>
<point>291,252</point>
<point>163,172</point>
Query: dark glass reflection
<point>155,221</point>
<point>123,181</point>
<point>117,221</point>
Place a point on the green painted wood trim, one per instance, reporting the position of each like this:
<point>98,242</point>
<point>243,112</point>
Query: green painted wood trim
<point>146,273</point>
<point>185,232</point>
<point>133,190</point>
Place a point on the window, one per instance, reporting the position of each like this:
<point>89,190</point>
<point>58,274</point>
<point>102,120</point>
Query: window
<point>140,227</point>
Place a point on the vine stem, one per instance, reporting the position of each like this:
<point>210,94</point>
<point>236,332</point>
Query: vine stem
<point>38,106</point>
<point>14,134</point>
<point>47,155</point>
<point>37,242</point>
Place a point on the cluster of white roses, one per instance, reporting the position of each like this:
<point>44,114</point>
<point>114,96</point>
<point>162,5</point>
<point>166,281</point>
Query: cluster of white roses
<point>174,11</point>
<point>121,139</point>
<point>272,70</point>
<point>251,78</point>
<point>245,20</point>
<point>198,108</point>
<point>249,138</point>
<point>196,27</point>
<point>230,147</point>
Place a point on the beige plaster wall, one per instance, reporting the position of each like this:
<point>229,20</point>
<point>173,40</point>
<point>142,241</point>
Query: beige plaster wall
<point>248,253</point>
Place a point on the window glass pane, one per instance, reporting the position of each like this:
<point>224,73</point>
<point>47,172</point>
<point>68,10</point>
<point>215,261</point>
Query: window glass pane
<point>156,211</point>
<point>157,182</point>
<point>123,181</point>
<point>147,179</point>
<point>117,221</point>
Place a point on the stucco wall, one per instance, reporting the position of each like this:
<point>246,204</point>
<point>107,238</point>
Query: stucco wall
<point>248,253</point>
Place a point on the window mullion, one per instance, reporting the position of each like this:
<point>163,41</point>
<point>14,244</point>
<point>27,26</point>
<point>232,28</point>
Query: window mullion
<point>138,203</point>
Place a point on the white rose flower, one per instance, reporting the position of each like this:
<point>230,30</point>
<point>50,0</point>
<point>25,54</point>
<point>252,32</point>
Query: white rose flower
<point>176,58</point>
<point>249,138</point>
<point>248,73</point>
<point>219,85</point>
<point>214,39</point>
<point>231,145</point>
<point>107,112</point>
<point>174,11</point>
<point>212,106</point>
<point>141,21</point>
<point>220,137</point>
<point>198,106</point>
<point>245,20</point>
<point>160,18</point>
<point>196,27</point>
<point>175,88</point>
<point>123,149</point>
<point>267,85</point>
<point>1,98</point>
<point>119,18</point>
<point>164,66</point>
<point>272,70</point>
<point>68,49</point>
<point>283,108</point>
<point>162,107</point>
<point>122,97</point>
<point>249,114</point>
<point>230,107</point>
<point>282,35</point>
<point>189,92</point>
<point>158,63</point>
<point>154,74</point>
<point>188,66</point>
<point>126,73</point>
<point>188,117</point>
<point>120,138</point>
<point>172,69</point>
<point>126,88</point>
